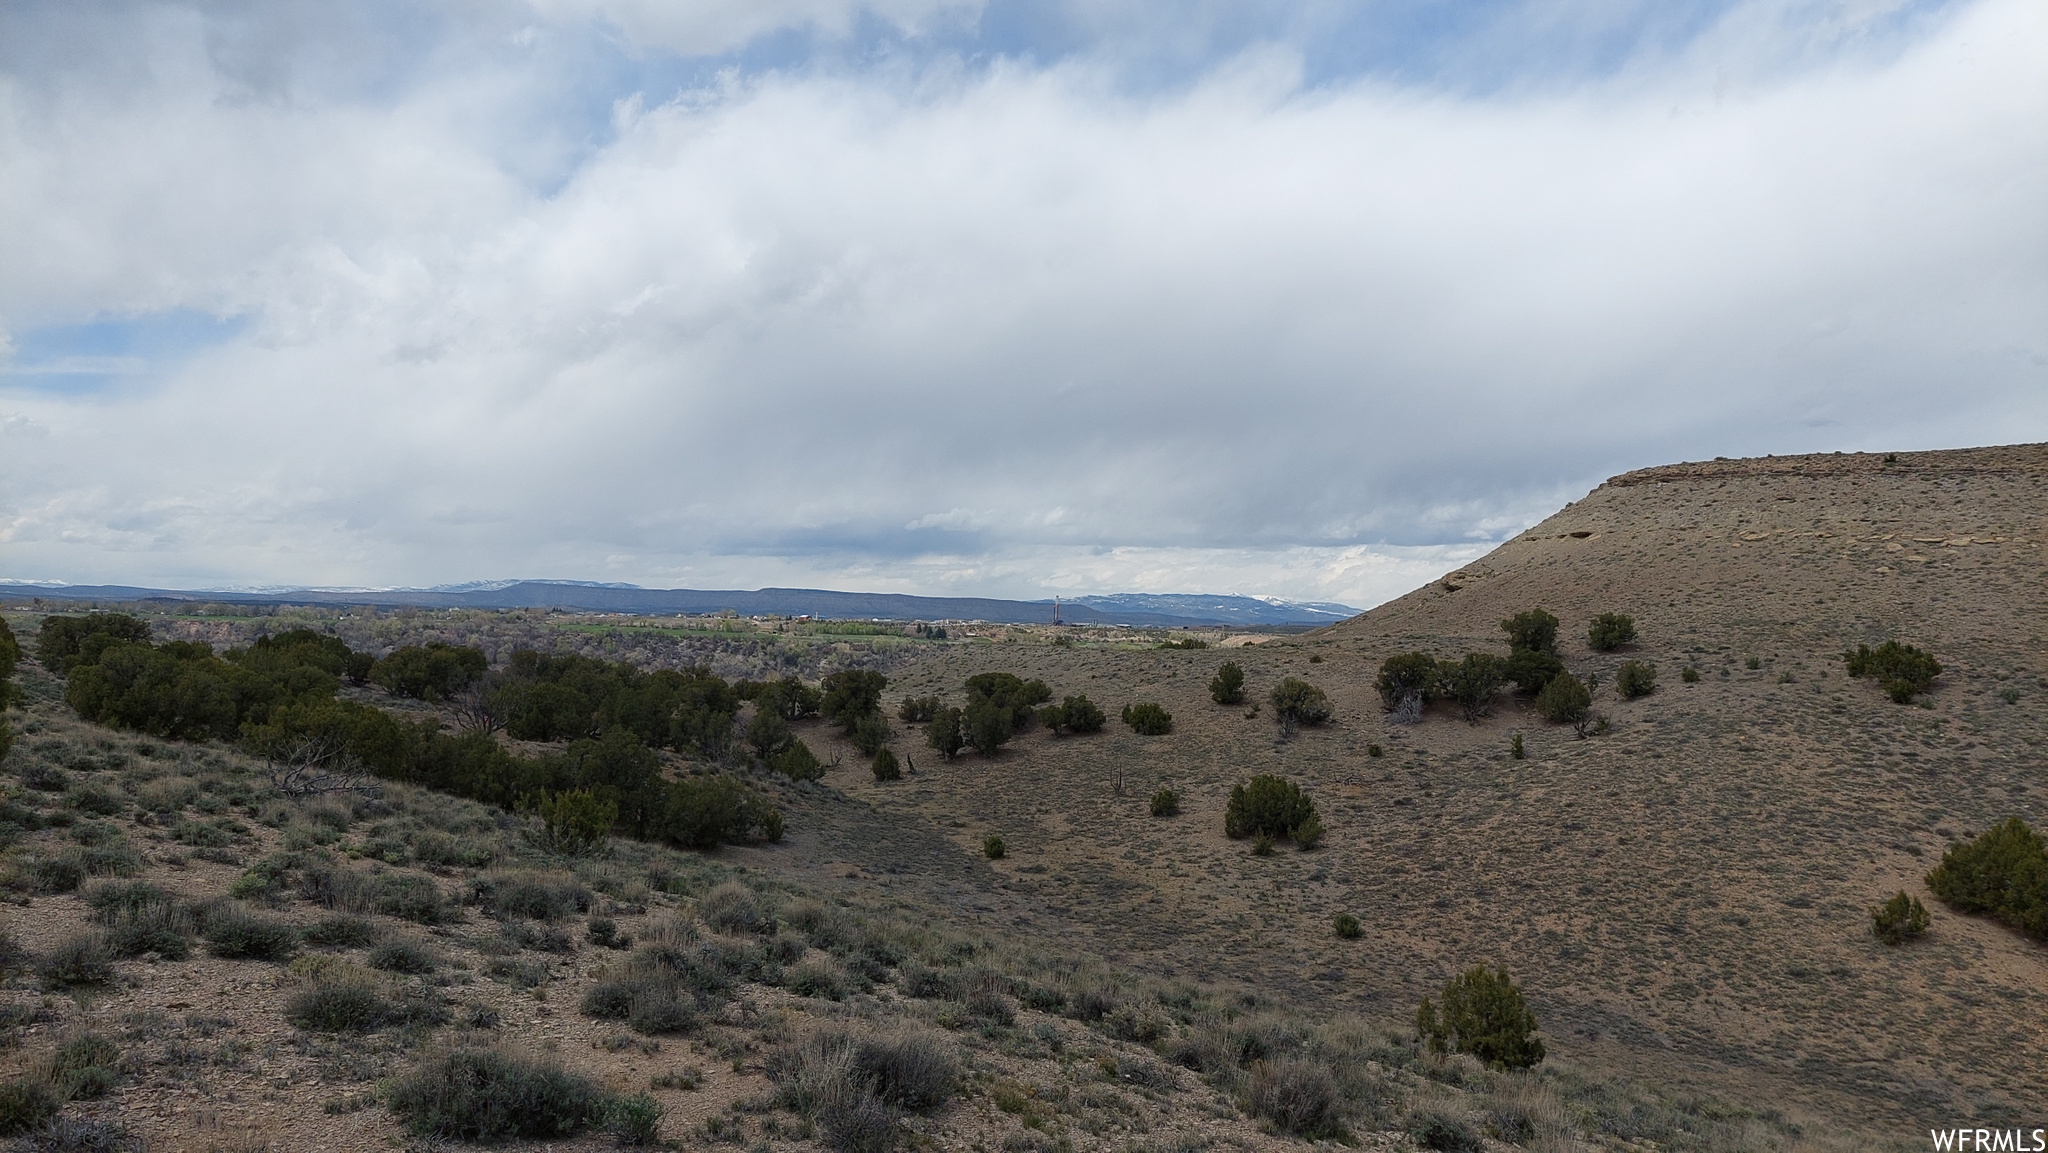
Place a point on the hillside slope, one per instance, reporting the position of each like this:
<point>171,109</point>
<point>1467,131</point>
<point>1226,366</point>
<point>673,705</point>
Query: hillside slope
<point>1686,896</point>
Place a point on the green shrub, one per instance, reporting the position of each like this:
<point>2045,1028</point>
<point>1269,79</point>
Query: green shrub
<point>1610,631</point>
<point>85,1066</point>
<point>342,932</point>
<point>1148,719</point>
<point>1446,1132</point>
<point>1073,715</point>
<point>338,1007</point>
<point>573,824</point>
<point>65,642</point>
<point>816,976</point>
<point>238,936</point>
<point>1533,631</point>
<point>635,1120</point>
<point>850,696</point>
<point>62,873</point>
<point>1898,920</point>
<point>161,928</point>
<point>1635,679</point>
<point>1406,681</point>
<point>944,733</point>
<point>797,762</point>
<point>1532,670</point>
<point>733,908</point>
<point>918,710</point>
<point>532,896</point>
<point>1516,750</point>
<point>1165,803</point>
<point>431,672</point>
<point>1227,686</point>
<point>1564,701</point>
<point>1485,1016</point>
<point>885,767</point>
<point>869,733</point>
<point>1472,682</point>
<point>83,959</point>
<point>1267,805</point>
<point>1689,674</point>
<point>1296,702</point>
<point>25,1106</point>
<point>414,898</point>
<point>1900,670</point>
<point>1020,698</point>
<point>487,1095</point>
<point>987,726</point>
<point>992,847</point>
<point>1347,927</point>
<point>1297,1095</point>
<point>1309,833</point>
<point>2003,873</point>
<point>403,956</point>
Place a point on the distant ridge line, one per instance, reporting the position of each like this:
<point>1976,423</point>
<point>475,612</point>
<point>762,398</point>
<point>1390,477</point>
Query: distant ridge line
<point>1169,612</point>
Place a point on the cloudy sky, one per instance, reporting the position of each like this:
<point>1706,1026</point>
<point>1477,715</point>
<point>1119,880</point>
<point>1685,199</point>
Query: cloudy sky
<point>992,297</point>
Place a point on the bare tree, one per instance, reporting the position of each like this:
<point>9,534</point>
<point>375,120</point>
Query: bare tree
<point>476,707</point>
<point>316,766</point>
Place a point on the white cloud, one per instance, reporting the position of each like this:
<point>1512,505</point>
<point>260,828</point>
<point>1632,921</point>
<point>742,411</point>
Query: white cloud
<point>1243,336</point>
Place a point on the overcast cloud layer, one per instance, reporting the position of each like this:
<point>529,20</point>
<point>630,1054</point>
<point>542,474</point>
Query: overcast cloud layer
<point>935,296</point>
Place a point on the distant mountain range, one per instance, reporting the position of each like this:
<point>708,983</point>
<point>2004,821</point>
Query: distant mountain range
<point>1158,610</point>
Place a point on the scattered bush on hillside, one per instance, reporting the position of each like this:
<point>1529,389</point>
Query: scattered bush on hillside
<point>79,960</point>
<point>1020,698</point>
<point>1147,718</point>
<point>1610,631</point>
<point>1227,686</point>
<point>1900,670</point>
<point>2003,873</point>
<point>1270,806</point>
<point>767,734</point>
<point>1533,630</point>
<point>1183,643</point>
<point>1565,701</point>
<point>573,824</point>
<point>1165,803</point>
<point>66,642</point>
<point>986,726</point>
<point>26,1105</point>
<point>1484,1015</point>
<point>488,1095</point>
<point>1472,683</point>
<point>86,1066</point>
<point>1405,683</point>
<point>885,767</point>
<point>869,733</point>
<point>853,1085</point>
<point>850,695</point>
<point>1296,702</point>
<point>992,847</point>
<point>1635,679</point>
<point>1899,920</point>
<point>431,672</point>
<point>1298,1095</point>
<point>798,763</point>
<point>1347,927</point>
<point>788,697</point>
<point>238,936</point>
<point>944,733</point>
<point>1073,715</point>
<point>1690,674</point>
<point>918,710</point>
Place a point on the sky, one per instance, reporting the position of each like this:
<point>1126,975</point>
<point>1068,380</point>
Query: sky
<point>979,297</point>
